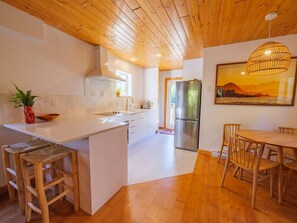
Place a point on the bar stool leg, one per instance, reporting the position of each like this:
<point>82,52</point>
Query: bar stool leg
<point>49,176</point>
<point>6,162</point>
<point>28,195</point>
<point>41,192</point>
<point>59,167</point>
<point>19,181</point>
<point>75,180</point>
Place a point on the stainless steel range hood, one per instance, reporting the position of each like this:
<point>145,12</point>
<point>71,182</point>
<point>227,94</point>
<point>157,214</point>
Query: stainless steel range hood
<point>101,66</point>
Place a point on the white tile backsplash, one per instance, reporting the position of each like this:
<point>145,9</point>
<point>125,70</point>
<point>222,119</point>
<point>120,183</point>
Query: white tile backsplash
<point>99,97</point>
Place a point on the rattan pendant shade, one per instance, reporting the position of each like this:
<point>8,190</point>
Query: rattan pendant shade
<point>269,58</point>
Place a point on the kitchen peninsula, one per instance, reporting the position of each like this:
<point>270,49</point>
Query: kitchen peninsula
<point>102,153</point>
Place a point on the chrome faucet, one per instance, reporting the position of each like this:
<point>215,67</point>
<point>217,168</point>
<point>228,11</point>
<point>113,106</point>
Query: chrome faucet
<point>127,102</point>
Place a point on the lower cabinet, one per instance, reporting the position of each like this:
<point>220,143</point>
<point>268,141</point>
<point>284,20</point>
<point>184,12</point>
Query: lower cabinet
<point>141,125</point>
<point>132,130</point>
<point>137,124</point>
<point>152,121</point>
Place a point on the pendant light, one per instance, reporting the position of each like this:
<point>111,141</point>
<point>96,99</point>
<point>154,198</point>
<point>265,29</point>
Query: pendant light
<point>269,58</point>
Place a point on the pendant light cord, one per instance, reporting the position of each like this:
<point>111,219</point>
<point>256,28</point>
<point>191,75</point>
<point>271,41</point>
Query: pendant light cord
<point>269,28</point>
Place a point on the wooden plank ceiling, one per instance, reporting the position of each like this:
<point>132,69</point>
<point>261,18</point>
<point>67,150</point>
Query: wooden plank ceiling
<point>162,33</point>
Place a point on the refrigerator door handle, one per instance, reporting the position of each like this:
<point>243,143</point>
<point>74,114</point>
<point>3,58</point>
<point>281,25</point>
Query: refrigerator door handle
<point>188,120</point>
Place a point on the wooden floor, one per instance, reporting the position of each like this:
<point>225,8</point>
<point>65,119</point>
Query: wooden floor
<point>191,198</point>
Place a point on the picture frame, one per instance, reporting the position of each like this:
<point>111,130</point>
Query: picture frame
<point>235,87</point>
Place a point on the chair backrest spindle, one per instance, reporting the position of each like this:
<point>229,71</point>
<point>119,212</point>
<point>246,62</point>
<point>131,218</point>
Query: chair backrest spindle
<point>229,130</point>
<point>245,153</point>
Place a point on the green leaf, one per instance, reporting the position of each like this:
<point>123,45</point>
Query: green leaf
<point>19,98</point>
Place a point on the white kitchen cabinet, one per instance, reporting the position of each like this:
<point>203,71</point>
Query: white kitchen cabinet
<point>152,121</point>
<point>141,124</point>
<point>101,154</point>
<point>137,123</point>
<point>133,130</point>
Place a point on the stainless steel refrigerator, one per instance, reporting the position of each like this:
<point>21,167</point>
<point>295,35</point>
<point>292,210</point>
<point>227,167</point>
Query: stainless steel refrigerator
<point>187,114</point>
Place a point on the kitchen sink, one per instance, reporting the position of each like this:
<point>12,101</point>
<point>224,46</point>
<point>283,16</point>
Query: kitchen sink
<point>107,114</point>
<point>116,113</point>
<point>128,112</point>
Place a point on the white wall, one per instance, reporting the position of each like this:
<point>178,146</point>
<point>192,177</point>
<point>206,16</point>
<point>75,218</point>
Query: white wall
<point>30,26</point>
<point>151,93</point>
<point>192,69</point>
<point>258,117</point>
<point>163,75</point>
<point>52,64</point>
<point>151,80</point>
<point>116,63</point>
<point>55,65</point>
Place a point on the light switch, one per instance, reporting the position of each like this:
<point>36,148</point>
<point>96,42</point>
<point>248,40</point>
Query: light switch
<point>207,89</point>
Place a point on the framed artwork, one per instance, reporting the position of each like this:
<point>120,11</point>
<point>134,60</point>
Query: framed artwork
<point>235,87</point>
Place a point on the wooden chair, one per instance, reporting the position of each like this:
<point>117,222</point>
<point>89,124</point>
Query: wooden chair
<point>288,130</point>
<point>292,166</point>
<point>14,177</point>
<point>53,155</point>
<point>288,153</point>
<point>229,129</point>
<point>247,155</point>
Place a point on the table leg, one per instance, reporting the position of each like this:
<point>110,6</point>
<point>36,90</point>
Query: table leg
<point>280,175</point>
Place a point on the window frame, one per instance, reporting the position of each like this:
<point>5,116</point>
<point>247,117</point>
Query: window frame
<point>124,85</point>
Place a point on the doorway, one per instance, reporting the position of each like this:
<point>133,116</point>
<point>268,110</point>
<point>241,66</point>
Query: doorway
<point>169,101</point>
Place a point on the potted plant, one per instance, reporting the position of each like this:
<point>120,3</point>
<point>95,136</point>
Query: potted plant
<point>118,92</point>
<point>26,100</point>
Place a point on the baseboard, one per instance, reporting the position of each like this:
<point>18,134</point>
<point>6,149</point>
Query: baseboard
<point>3,189</point>
<point>206,152</point>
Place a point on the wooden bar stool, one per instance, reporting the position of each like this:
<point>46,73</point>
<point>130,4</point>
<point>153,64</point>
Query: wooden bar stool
<point>53,154</point>
<point>14,175</point>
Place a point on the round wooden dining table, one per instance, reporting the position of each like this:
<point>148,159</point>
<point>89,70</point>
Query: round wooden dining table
<point>274,138</point>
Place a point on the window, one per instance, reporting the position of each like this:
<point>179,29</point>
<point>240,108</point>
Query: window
<point>125,88</point>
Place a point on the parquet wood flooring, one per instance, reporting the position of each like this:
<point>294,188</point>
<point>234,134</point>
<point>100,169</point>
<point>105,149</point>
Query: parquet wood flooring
<point>188,198</point>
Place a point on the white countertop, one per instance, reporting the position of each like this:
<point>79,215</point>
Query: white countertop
<point>64,130</point>
<point>122,113</point>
